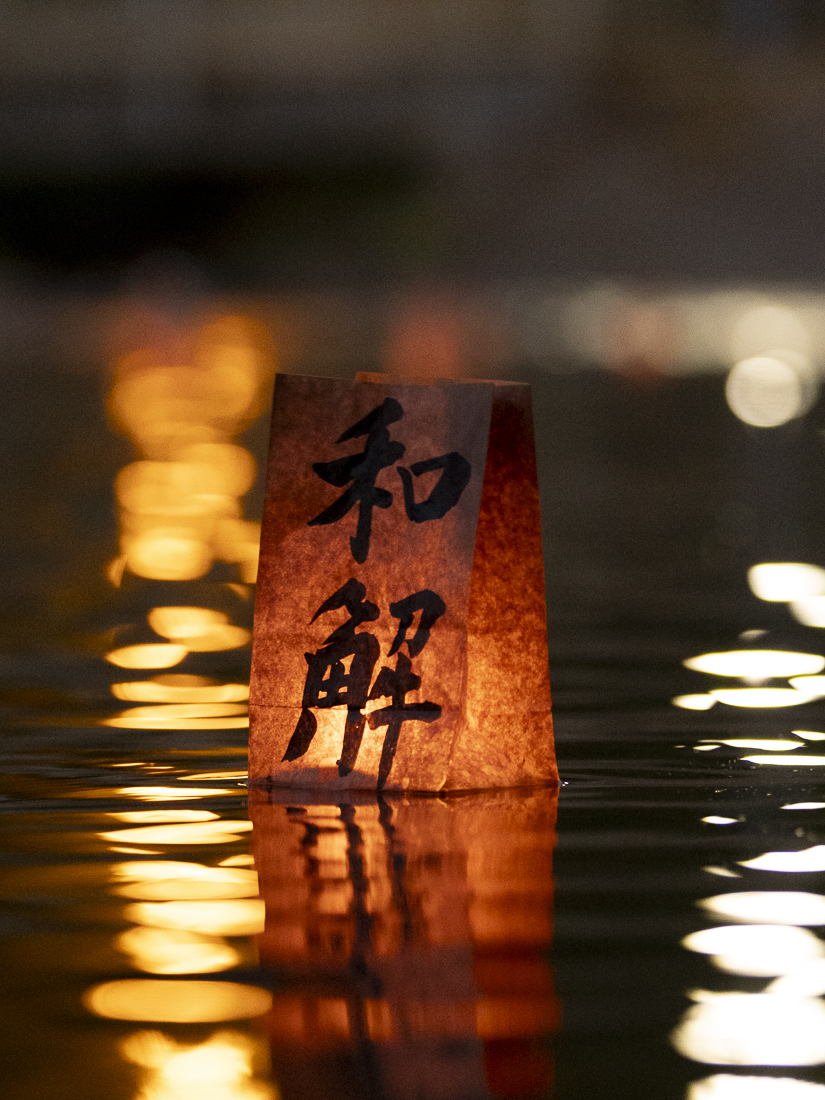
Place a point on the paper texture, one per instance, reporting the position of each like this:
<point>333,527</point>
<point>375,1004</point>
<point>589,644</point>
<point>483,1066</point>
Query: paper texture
<point>400,637</point>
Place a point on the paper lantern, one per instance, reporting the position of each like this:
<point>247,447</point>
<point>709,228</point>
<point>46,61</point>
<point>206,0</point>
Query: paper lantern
<point>400,624</point>
<point>408,939</point>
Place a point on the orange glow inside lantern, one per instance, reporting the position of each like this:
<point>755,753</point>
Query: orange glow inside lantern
<point>400,624</point>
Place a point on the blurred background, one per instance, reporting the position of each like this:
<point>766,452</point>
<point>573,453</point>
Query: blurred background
<point>619,202</point>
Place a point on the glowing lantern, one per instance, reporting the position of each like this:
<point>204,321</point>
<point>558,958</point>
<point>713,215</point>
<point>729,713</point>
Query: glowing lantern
<point>400,631</point>
<point>417,928</point>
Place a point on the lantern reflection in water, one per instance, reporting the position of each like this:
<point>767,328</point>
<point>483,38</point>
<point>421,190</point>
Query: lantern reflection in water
<point>413,933</point>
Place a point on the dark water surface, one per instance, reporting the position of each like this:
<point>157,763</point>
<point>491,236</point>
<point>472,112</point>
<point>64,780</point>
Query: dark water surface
<point>159,946</point>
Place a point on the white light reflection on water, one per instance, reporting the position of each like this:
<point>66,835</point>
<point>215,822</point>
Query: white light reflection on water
<point>810,685</point>
<point>701,701</point>
<point>808,981</point>
<point>762,697</point>
<point>222,1068</point>
<point>726,1086</point>
<point>756,664</point>
<point>781,582</point>
<point>759,951</point>
<point>788,761</point>
<point>775,744</point>
<point>753,1029</point>
<point>803,806</point>
<point>768,906</point>
<point>802,862</point>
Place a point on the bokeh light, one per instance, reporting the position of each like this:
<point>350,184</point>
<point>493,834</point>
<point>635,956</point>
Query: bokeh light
<point>181,1002</point>
<point>764,950</point>
<point>781,582</point>
<point>726,1086</point>
<point>753,1029</point>
<point>172,951</point>
<point>225,917</point>
<point>222,1068</point>
<point>802,862</point>
<point>767,391</point>
<point>757,664</point>
<point>768,906</point>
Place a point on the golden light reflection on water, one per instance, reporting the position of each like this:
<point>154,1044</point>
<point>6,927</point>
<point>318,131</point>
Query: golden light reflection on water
<point>182,397</point>
<point>170,794</point>
<point>169,880</point>
<point>769,906</point>
<point>726,1086</point>
<point>187,710</point>
<point>233,917</point>
<point>200,629</point>
<point>215,775</point>
<point>128,720</point>
<point>182,391</point>
<point>222,1068</point>
<point>178,688</point>
<point>160,870</point>
<point>151,655</point>
<point>206,832</point>
<point>171,951</point>
<point>155,794</point>
<point>188,888</point>
<point>176,1001</point>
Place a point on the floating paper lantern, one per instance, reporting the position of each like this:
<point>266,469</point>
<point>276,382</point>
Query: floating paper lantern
<point>400,625</point>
